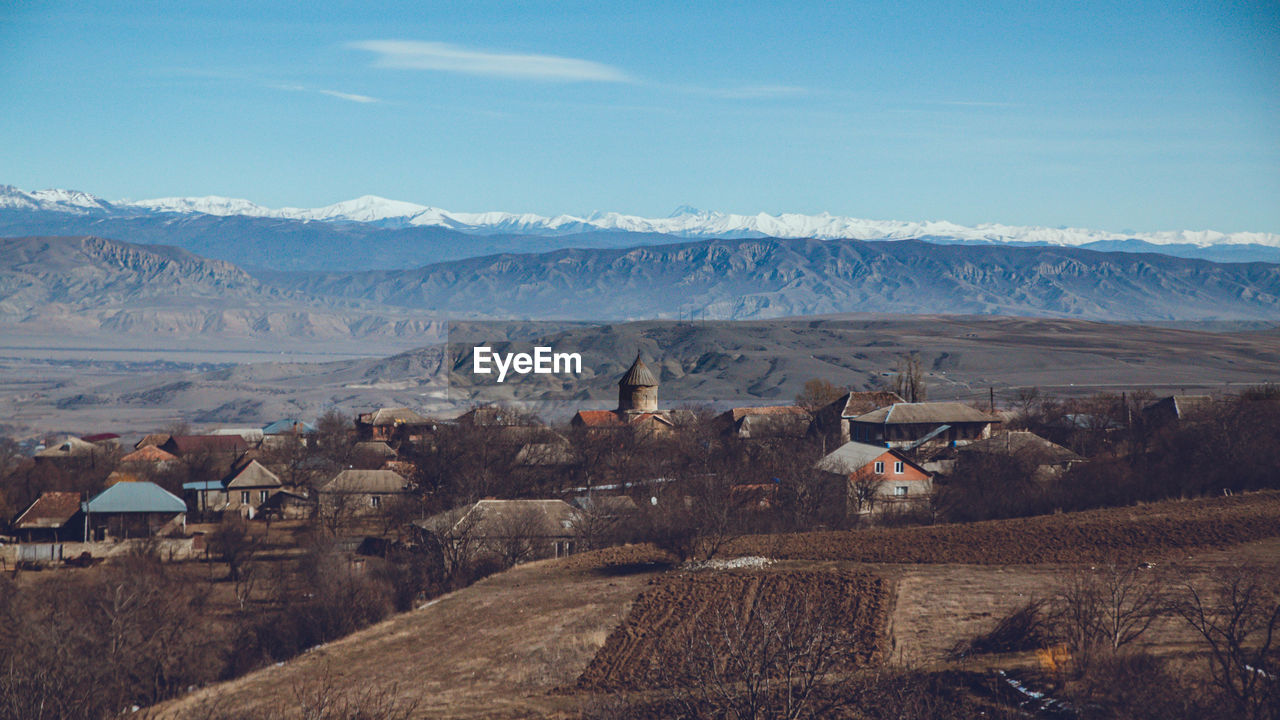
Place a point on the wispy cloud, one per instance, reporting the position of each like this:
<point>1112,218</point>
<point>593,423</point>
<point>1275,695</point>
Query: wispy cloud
<point>351,97</point>
<point>443,57</point>
<point>755,92</point>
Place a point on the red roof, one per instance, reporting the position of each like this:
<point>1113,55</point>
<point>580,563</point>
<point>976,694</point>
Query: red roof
<point>597,418</point>
<point>148,453</point>
<point>50,510</point>
<point>100,437</point>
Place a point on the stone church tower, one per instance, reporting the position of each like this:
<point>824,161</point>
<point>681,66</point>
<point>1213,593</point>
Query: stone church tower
<point>638,389</point>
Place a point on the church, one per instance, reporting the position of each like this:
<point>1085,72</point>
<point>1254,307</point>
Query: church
<point>637,405</point>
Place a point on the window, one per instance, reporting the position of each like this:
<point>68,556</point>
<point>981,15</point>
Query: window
<point>897,468</point>
<point>375,501</point>
<point>879,467</point>
<point>262,496</point>
<point>244,497</point>
<point>900,490</point>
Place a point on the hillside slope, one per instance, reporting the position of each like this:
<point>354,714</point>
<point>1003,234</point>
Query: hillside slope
<point>769,278</point>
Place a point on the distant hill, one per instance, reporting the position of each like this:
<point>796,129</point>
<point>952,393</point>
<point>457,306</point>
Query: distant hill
<point>770,278</point>
<point>90,286</point>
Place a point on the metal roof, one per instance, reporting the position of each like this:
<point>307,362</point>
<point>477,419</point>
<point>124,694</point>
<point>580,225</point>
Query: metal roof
<point>135,497</point>
<point>639,375</point>
<point>850,457</point>
<point>926,412</point>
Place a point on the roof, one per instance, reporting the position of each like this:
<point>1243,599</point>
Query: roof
<point>550,518</point>
<point>118,476</point>
<point>925,413</point>
<point>50,510</point>
<point>135,497</point>
<point>153,439</point>
<point>393,416</point>
<point>185,444</point>
<point>148,453</point>
<point>860,403</point>
<point>71,447</point>
<point>366,481</point>
<point>609,418</point>
<point>548,453</point>
<point>606,504</point>
<point>250,435</point>
<point>737,414</point>
<point>203,485</point>
<point>639,375</point>
<point>850,457</point>
<point>99,437</point>
<point>288,426</point>
<point>1023,443</point>
<point>373,447</point>
<point>489,415</point>
<point>253,475</point>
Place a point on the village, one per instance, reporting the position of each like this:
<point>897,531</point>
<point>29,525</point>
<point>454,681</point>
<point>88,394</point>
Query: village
<point>284,537</point>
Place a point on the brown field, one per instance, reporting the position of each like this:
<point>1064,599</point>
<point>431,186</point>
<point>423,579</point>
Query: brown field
<point>1136,532</point>
<point>683,603</point>
<point>549,639</point>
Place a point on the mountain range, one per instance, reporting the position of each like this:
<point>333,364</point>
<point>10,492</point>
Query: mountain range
<point>397,235</point>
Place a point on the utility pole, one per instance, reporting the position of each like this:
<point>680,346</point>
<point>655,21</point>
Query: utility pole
<point>991,393</point>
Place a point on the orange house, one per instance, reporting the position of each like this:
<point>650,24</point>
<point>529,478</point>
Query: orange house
<point>878,478</point>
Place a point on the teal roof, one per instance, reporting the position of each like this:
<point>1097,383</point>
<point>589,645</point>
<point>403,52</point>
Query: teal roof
<point>135,497</point>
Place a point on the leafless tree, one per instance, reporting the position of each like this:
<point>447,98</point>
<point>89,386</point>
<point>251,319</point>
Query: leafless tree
<point>908,379</point>
<point>818,393</point>
<point>769,661</point>
<point>864,492</point>
<point>234,543</point>
<point>516,534</point>
<point>1238,617</point>
<point>1107,607</point>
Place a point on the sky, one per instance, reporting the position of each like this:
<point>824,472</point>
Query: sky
<point>1136,116</point>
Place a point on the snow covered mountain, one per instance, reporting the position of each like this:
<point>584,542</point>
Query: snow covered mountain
<point>686,222</point>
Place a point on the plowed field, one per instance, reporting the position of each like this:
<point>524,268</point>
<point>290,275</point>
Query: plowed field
<point>683,614</point>
<point>1140,532</point>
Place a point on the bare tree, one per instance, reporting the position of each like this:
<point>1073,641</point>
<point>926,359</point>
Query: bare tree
<point>515,535</point>
<point>1107,607</point>
<point>908,379</point>
<point>769,661</point>
<point>818,393</point>
<point>1238,618</point>
<point>234,543</point>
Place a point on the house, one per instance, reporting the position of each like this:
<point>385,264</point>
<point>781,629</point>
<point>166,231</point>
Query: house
<point>251,435</point>
<point>152,440</point>
<point>637,406</point>
<point>388,424</point>
<point>149,457</point>
<point>289,426</point>
<point>519,529</point>
<point>557,453</point>
<point>249,487</point>
<point>756,423</point>
<point>832,420</point>
<point>244,489</point>
<point>133,510</point>
<point>877,478</point>
<point>1028,445</point>
<point>52,517</point>
<point>287,505</point>
<point>366,489</point>
<point>1175,409</point>
<point>373,451</point>
<point>912,424</point>
<point>71,450</point>
<point>184,445</point>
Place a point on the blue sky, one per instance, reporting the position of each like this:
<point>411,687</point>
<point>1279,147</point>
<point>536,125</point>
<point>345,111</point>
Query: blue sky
<point>1140,116</point>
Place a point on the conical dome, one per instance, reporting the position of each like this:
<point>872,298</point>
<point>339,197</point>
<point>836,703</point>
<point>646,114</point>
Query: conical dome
<point>638,389</point>
<point>638,376</point>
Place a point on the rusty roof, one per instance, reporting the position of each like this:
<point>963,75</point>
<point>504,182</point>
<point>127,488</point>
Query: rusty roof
<point>208,443</point>
<point>50,510</point>
<point>393,416</point>
<point>854,404</point>
<point>148,453</point>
